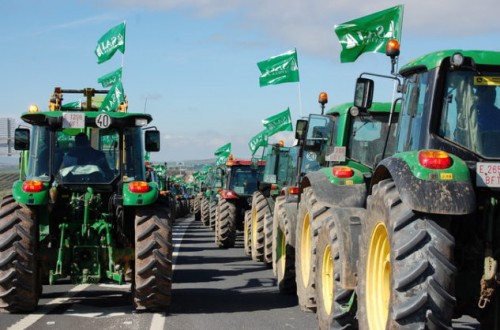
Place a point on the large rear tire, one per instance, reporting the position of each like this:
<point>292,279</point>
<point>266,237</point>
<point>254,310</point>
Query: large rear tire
<point>205,211</point>
<point>310,217</point>
<point>268,239</point>
<point>20,285</point>
<point>331,298</point>
<point>153,259</point>
<point>247,233</point>
<point>285,252</point>
<point>225,225</point>
<point>406,277</point>
<point>279,212</point>
<point>196,207</point>
<point>259,210</point>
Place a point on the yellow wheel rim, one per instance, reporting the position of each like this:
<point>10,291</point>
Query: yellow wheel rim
<point>305,250</point>
<point>327,285</point>
<point>378,276</point>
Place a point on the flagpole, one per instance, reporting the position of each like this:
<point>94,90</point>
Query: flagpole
<point>300,94</point>
<point>123,54</point>
<point>300,101</point>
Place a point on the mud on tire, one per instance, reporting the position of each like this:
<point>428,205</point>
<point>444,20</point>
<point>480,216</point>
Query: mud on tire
<point>153,259</point>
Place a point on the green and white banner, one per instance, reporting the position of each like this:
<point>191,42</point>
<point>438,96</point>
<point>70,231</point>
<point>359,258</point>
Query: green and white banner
<point>279,69</point>
<point>369,33</point>
<point>111,78</point>
<point>279,122</point>
<point>259,140</point>
<point>110,42</point>
<point>113,99</point>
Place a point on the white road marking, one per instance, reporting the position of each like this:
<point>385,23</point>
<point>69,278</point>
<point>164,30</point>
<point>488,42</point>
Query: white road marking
<point>158,321</point>
<point>30,319</point>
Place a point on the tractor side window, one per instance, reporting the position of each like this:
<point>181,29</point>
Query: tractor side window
<point>133,164</point>
<point>39,154</point>
<point>320,133</point>
<point>471,111</point>
<point>409,129</point>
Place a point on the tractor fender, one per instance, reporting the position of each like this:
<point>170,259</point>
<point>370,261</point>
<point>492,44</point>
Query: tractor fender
<point>331,195</point>
<point>429,196</point>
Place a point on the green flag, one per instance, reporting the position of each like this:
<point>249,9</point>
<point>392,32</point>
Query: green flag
<point>369,33</point>
<point>259,140</point>
<point>110,42</point>
<point>221,160</point>
<point>225,150</point>
<point>111,78</point>
<point>72,105</point>
<point>279,122</point>
<point>279,69</point>
<point>113,99</point>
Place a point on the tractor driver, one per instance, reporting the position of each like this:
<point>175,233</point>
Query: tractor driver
<point>83,154</point>
<point>487,113</point>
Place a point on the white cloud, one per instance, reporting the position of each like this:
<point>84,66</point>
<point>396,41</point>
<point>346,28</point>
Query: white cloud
<point>308,25</point>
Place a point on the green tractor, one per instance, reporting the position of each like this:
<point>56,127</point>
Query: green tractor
<point>240,179</point>
<point>85,210</point>
<point>332,202</point>
<point>315,137</point>
<point>279,172</point>
<point>429,243</point>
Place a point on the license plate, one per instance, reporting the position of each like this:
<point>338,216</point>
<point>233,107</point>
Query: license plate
<point>488,175</point>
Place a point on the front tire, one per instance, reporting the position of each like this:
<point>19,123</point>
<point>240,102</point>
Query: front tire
<point>331,298</point>
<point>406,276</point>
<point>285,252</point>
<point>225,224</point>
<point>259,210</point>
<point>20,285</point>
<point>153,259</point>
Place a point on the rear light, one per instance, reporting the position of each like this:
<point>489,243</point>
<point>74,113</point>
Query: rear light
<point>138,187</point>
<point>32,186</point>
<point>294,190</point>
<point>229,194</point>
<point>274,186</point>
<point>342,172</point>
<point>434,159</point>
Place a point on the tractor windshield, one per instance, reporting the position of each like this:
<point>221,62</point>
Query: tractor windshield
<point>244,179</point>
<point>367,138</point>
<point>85,157</point>
<point>280,165</point>
<point>470,113</point>
<point>320,133</point>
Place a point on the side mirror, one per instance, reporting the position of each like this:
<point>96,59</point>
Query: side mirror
<point>21,139</point>
<point>152,140</point>
<point>363,94</point>
<point>301,129</point>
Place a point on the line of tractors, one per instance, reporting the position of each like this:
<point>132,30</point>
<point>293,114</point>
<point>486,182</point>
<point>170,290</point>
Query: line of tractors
<point>381,216</point>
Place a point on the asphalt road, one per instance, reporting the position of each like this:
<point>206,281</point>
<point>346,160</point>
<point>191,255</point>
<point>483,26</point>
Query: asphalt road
<point>213,288</point>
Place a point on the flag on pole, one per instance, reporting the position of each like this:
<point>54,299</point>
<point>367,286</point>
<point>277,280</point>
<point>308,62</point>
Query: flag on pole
<point>369,33</point>
<point>113,99</point>
<point>259,140</point>
<point>111,78</point>
<point>224,150</point>
<point>279,69</point>
<point>279,122</point>
<point>110,42</point>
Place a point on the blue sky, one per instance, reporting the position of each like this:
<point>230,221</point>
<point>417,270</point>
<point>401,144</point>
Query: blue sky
<point>192,63</point>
